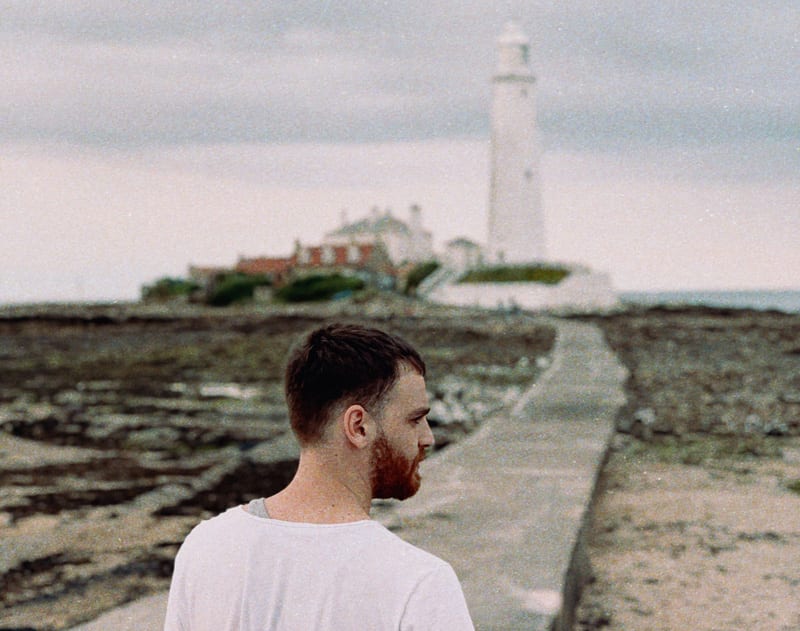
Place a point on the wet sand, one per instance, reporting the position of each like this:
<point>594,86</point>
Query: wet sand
<point>697,518</point>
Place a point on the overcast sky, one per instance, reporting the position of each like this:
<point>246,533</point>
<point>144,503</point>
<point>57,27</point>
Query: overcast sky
<point>141,137</point>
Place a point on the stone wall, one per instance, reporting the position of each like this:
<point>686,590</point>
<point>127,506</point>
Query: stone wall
<point>581,291</point>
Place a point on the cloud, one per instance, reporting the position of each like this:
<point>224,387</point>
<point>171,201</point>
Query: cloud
<point>140,137</point>
<point>153,73</point>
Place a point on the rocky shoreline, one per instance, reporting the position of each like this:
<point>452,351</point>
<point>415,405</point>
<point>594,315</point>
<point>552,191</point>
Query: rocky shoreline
<point>696,522</point>
<point>122,426</point>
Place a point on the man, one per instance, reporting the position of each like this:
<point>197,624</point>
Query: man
<point>309,558</point>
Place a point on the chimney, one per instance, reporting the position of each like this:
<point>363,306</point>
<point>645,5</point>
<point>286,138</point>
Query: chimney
<point>415,218</point>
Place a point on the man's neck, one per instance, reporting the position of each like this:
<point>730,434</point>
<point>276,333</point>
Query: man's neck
<point>321,493</point>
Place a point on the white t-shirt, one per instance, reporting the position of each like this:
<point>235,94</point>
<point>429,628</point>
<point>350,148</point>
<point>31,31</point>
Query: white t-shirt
<point>242,572</point>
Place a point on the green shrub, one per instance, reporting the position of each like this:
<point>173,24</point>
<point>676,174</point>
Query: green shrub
<point>547,274</point>
<point>168,288</point>
<point>235,288</point>
<point>419,273</point>
<point>318,287</point>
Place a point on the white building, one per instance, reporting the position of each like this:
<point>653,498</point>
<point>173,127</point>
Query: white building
<point>404,242</point>
<point>463,254</point>
<point>516,223</point>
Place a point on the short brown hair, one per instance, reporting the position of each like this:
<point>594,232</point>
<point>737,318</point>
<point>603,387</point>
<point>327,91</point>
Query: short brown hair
<point>342,363</point>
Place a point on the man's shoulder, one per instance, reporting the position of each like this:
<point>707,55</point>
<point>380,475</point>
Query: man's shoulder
<point>405,553</point>
<point>370,537</point>
<point>221,522</point>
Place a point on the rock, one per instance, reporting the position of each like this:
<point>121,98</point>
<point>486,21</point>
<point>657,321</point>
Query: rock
<point>448,412</point>
<point>776,427</point>
<point>753,424</point>
<point>152,438</point>
<point>280,449</point>
<point>643,417</point>
<point>70,398</point>
<point>511,395</point>
<point>451,401</point>
<point>440,412</point>
<point>158,498</point>
<point>42,412</point>
<point>229,391</point>
<point>643,424</point>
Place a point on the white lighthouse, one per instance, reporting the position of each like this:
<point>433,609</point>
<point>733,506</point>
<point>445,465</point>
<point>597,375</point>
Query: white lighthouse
<point>516,224</point>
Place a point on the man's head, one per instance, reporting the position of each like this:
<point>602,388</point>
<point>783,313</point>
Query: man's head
<point>403,436</point>
<point>341,365</point>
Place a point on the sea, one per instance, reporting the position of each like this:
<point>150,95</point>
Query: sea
<point>786,301</point>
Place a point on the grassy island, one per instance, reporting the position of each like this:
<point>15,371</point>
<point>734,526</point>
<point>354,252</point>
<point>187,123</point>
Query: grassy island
<point>546,274</point>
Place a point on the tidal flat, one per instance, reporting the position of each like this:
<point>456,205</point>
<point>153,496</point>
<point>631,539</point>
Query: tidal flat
<point>122,426</point>
<point>696,520</point>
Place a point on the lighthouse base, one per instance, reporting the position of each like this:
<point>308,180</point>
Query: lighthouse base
<point>582,291</point>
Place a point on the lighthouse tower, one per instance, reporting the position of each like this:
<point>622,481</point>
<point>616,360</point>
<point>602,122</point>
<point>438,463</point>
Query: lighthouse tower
<point>516,225</point>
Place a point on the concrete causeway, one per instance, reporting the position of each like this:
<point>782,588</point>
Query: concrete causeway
<point>506,506</point>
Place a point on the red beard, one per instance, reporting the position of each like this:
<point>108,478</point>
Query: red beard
<point>393,475</point>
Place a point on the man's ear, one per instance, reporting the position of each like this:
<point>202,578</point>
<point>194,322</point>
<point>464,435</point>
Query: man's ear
<point>357,426</point>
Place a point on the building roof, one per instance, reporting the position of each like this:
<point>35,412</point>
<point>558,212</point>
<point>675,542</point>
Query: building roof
<point>375,224</point>
<point>462,242</point>
<point>264,265</point>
